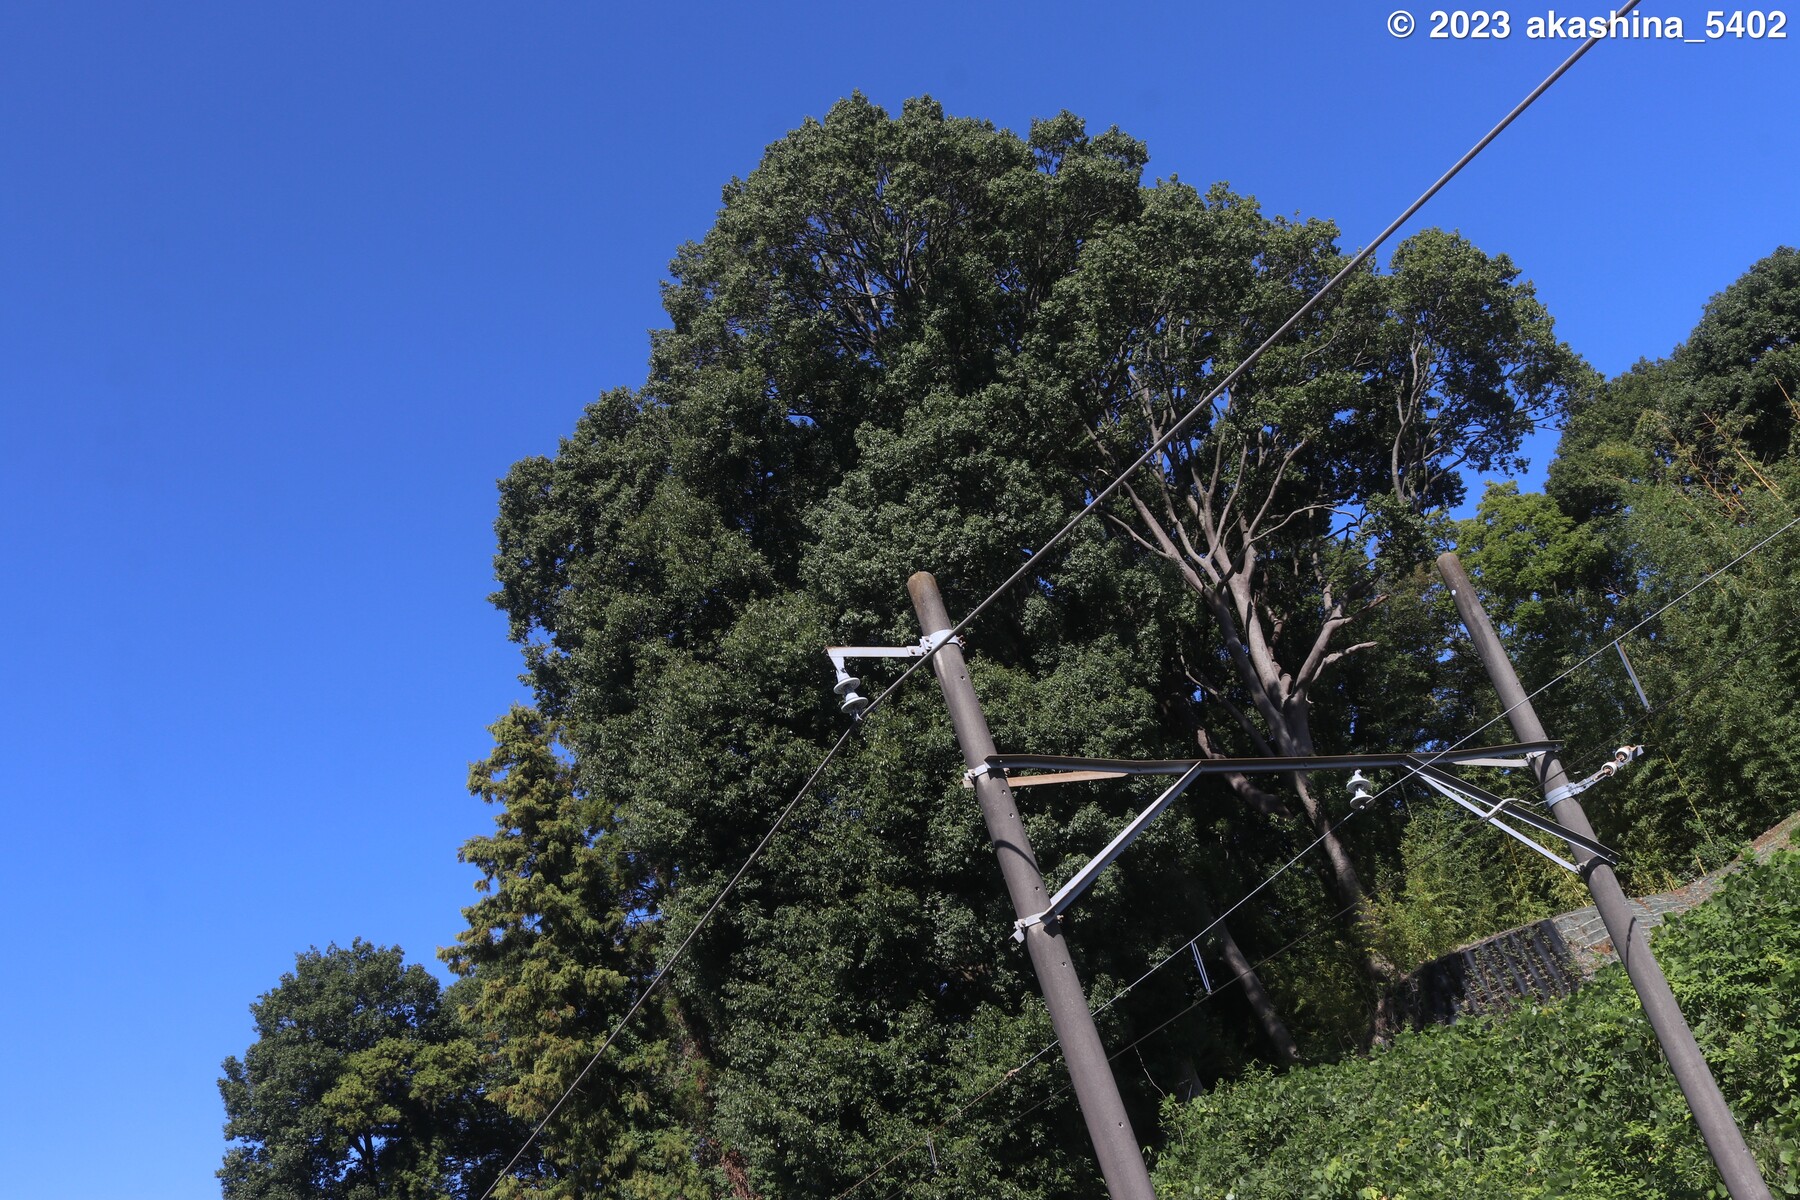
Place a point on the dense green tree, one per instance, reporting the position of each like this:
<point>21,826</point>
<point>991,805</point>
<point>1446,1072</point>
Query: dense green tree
<point>1287,508</point>
<point>666,565</point>
<point>554,952</point>
<point>920,342</point>
<point>361,1084</point>
<point>1716,414</point>
<point>1673,469</point>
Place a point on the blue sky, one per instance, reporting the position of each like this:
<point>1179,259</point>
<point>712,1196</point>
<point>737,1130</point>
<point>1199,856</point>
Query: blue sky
<point>284,289</point>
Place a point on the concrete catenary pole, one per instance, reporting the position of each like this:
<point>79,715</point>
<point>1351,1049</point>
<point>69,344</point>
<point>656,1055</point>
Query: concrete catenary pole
<point>1121,1160</point>
<point>1723,1138</point>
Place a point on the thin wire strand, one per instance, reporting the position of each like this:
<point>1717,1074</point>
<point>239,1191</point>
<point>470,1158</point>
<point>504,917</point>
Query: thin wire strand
<point>1054,1043</point>
<point>1661,708</point>
<point>1641,720</point>
<point>1443,851</point>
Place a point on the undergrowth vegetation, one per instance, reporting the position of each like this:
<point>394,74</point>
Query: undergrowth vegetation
<point>1571,1101</point>
<point>1456,884</point>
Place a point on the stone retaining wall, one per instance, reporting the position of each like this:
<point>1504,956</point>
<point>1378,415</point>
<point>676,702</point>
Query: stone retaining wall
<point>1539,962</point>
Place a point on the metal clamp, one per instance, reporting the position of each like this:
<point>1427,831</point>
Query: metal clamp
<point>1558,795</point>
<point>931,641</point>
<point>974,773</point>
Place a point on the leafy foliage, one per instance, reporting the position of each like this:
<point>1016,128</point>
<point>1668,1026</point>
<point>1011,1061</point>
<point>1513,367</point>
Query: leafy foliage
<point>1457,883</point>
<point>1571,1100</point>
<point>361,1084</point>
<point>1674,469</point>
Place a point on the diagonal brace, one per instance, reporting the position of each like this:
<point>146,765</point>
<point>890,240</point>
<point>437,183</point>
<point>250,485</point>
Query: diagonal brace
<point>1070,891</point>
<point>1441,779</point>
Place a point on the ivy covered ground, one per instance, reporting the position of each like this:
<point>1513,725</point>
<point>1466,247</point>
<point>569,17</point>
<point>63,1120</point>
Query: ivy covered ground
<point>1569,1101</point>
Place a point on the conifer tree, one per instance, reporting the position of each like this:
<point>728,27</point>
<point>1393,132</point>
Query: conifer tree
<point>555,951</point>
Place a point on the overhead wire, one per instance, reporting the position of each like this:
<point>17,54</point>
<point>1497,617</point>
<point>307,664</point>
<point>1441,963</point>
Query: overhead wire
<point>1643,725</point>
<point>1326,923</point>
<point>1433,757</point>
<point>1038,554</point>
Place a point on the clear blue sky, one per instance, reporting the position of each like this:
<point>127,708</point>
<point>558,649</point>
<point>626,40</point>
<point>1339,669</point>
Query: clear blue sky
<point>285,287</point>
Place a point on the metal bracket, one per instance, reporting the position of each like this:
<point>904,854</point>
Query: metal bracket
<point>849,686</point>
<point>841,655</point>
<point>1622,758</point>
<point>932,641</point>
<point>1556,796</point>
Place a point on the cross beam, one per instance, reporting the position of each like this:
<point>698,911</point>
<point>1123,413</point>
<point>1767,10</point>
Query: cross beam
<point>1429,766</point>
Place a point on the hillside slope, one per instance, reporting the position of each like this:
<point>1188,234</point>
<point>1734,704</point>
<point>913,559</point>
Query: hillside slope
<point>1569,1100</point>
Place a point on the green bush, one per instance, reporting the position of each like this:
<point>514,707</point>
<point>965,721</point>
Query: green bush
<point>1572,1100</point>
<point>1452,889</point>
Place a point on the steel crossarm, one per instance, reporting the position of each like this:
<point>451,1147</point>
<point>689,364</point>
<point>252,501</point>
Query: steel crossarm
<point>1191,769</point>
<point>1516,755</point>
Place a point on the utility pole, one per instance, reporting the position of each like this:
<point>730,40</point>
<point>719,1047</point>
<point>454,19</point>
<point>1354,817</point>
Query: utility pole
<point>1723,1138</point>
<point>1096,1091</point>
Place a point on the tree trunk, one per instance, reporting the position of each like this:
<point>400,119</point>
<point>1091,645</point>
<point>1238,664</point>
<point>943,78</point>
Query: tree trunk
<point>1343,872</point>
<point>1297,740</point>
<point>1274,1028</point>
